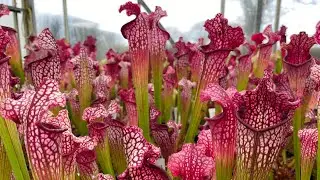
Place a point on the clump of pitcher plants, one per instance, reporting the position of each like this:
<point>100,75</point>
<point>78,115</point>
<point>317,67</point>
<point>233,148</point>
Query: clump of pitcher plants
<point>223,110</point>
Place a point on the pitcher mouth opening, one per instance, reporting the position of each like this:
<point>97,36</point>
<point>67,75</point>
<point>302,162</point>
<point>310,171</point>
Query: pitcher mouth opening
<point>51,127</point>
<point>282,122</point>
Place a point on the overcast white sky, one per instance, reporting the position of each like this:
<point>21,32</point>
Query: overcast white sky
<point>181,13</point>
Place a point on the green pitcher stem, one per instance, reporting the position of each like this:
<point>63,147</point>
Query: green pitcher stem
<point>278,67</point>
<point>258,72</point>
<point>157,69</point>
<point>284,156</point>
<point>117,154</point>
<point>242,82</point>
<point>224,159</point>
<point>242,173</point>
<point>77,176</point>
<point>306,168</point>
<point>296,142</point>
<point>218,109</point>
<point>195,121</point>
<point>81,126</point>
<point>16,62</point>
<point>71,176</point>
<point>85,92</point>
<point>140,77</point>
<point>224,169</point>
<point>124,82</point>
<point>103,157</point>
<point>76,119</point>
<point>10,139</point>
<point>85,96</point>
<point>5,168</point>
<point>85,177</point>
<point>142,102</point>
<point>167,106</point>
<point>183,112</point>
<point>119,162</point>
<point>258,66</point>
<point>271,176</point>
<point>17,70</point>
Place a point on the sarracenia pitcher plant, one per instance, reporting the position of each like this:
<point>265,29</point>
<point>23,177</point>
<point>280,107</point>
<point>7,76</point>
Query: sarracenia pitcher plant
<point>223,107</point>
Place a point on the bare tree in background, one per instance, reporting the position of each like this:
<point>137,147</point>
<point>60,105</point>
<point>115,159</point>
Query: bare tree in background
<point>197,31</point>
<point>80,29</point>
<point>53,22</point>
<point>257,13</point>
<point>175,33</point>
<point>249,10</point>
